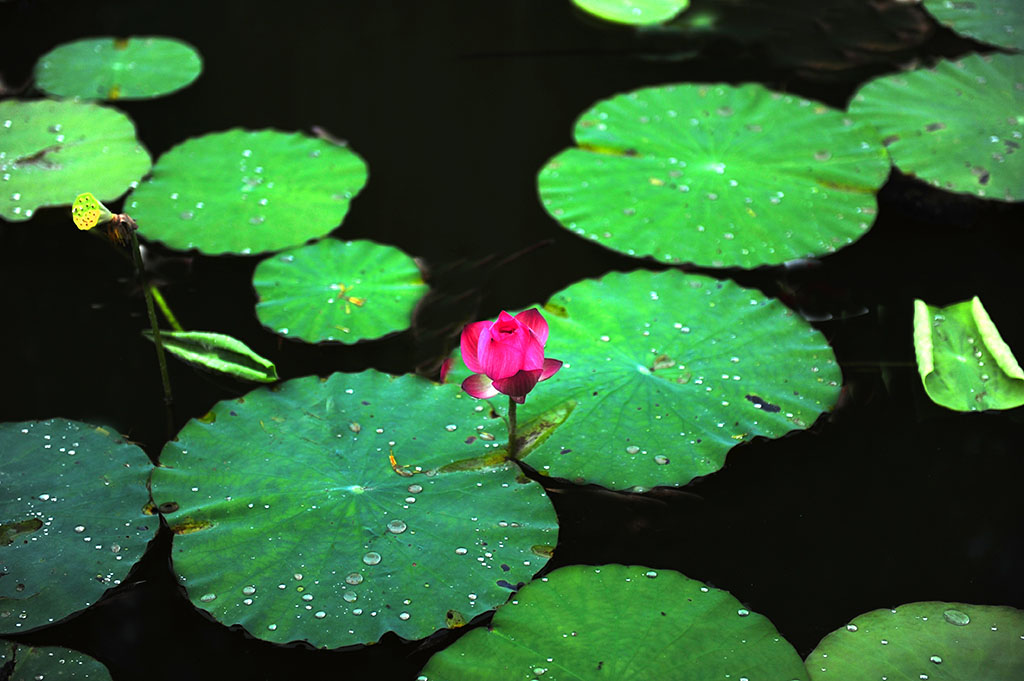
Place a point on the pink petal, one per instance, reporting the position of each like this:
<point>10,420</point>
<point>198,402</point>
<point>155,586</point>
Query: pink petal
<point>550,367</point>
<point>503,356</point>
<point>533,358</point>
<point>446,366</point>
<point>468,343</point>
<point>536,322</point>
<point>519,385</point>
<point>479,386</point>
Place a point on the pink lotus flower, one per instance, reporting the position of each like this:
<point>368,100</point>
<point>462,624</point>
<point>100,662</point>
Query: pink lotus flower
<point>507,356</point>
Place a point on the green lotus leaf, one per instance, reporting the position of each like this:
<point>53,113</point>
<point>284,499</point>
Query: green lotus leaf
<point>293,521</point>
<point>716,175</point>
<point>963,361</point>
<point>118,68</point>
<point>664,373</point>
<point>52,151</point>
<point>217,352</point>
<point>927,640</point>
<point>997,22</point>
<point>958,126</point>
<point>635,12</point>
<point>49,663</point>
<point>245,192</point>
<point>619,622</point>
<point>334,290</point>
<point>72,519</point>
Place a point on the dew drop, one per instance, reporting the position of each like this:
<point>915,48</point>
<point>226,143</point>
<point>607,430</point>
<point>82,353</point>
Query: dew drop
<point>956,617</point>
<point>742,612</point>
<point>206,598</point>
<point>450,427</point>
<point>851,627</point>
<point>415,489</point>
<point>354,578</point>
<point>349,596</point>
<point>319,614</point>
<point>249,590</point>
<point>272,627</point>
<point>403,616</point>
<point>461,551</point>
<point>371,558</point>
<point>307,597</point>
<point>397,527</point>
<point>661,460</point>
<point>632,449</point>
<point>936,659</point>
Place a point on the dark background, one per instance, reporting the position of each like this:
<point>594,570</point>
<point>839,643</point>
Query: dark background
<point>455,105</point>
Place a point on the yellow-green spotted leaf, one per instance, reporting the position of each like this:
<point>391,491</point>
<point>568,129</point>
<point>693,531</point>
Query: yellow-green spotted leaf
<point>334,290</point>
<point>246,192</point>
<point>118,68</point>
<point>964,363</point>
<point>217,352</point>
<point>50,151</point>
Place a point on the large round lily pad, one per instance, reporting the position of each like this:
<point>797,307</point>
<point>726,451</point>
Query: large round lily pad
<point>241,191</point>
<point>334,290</point>
<point>664,373</point>
<point>49,663</point>
<point>927,640</point>
<point>997,22</point>
<point>118,68</point>
<point>635,12</point>
<point>293,521</point>
<point>958,126</point>
<point>52,151</point>
<point>72,521</point>
<point>716,175</point>
<point>619,622</point>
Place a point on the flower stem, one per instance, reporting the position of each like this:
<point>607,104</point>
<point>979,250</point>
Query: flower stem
<point>513,444</point>
<point>141,272</point>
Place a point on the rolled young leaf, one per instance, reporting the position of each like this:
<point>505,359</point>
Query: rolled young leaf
<point>218,352</point>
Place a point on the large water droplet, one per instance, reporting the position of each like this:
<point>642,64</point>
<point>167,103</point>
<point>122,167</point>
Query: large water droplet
<point>206,598</point>
<point>350,596</point>
<point>742,612</point>
<point>397,527</point>
<point>354,578</point>
<point>936,659</point>
<point>957,617</point>
<point>249,590</point>
<point>371,558</point>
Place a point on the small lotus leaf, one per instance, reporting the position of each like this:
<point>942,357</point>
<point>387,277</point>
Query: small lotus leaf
<point>334,290</point>
<point>957,126</point>
<point>626,623</point>
<point>50,151</point>
<point>997,22</point>
<point>927,640</point>
<point>72,521</point>
<point>664,373</point>
<point>716,175</point>
<point>635,12</point>
<point>118,68</point>
<point>247,192</point>
<point>49,663</point>
<point>963,361</point>
<point>334,510</point>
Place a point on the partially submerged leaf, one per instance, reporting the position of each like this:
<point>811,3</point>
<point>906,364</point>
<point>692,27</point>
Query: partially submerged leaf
<point>927,640</point>
<point>50,663</point>
<point>963,361</point>
<point>620,623</point>
<point>218,352</point>
<point>635,12</point>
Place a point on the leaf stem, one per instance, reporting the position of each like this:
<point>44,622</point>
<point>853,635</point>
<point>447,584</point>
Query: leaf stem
<point>162,304</point>
<point>513,444</point>
<point>141,272</point>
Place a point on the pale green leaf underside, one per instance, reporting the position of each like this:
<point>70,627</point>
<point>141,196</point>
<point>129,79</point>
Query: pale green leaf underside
<point>964,363</point>
<point>635,12</point>
<point>627,623</point>
<point>217,352</point>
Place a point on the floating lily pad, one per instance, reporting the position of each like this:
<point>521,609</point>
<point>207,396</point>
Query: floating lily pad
<point>619,622</point>
<point>927,640</point>
<point>334,290</point>
<point>716,175</point>
<point>293,521</point>
<point>51,151</point>
<point>664,373</point>
<point>49,663</point>
<point>635,12</point>
<point>997,22</point>
<point>71,518</point>
<point>962,359</point>
<point>958,126</point>
<point>247,192</point>
<point>118,68</point>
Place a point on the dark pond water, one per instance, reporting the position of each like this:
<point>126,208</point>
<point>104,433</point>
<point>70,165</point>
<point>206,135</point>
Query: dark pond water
<point>455,105</point>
